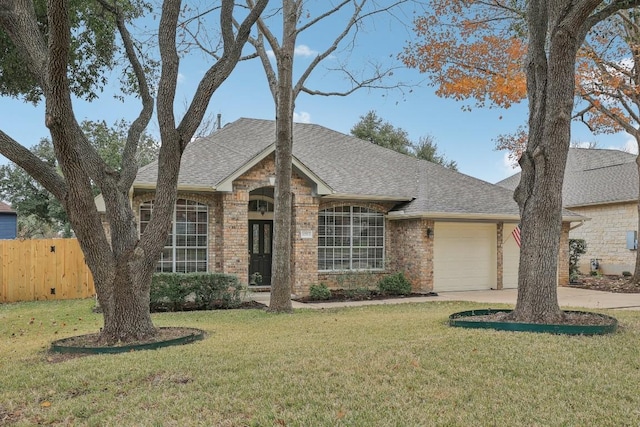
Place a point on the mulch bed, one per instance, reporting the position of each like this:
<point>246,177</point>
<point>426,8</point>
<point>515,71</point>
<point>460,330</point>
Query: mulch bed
<point>568,318</point>
<point>607,283</point>
<point>192,306</point>
<point>343,295</point>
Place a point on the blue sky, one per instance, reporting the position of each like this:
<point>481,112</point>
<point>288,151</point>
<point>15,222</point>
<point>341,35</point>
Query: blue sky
<point>468,137</point>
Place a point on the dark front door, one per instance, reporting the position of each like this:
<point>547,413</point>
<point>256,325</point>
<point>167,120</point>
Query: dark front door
<point>260,244</point>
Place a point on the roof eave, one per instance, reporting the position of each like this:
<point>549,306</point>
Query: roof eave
<point>195,188</point>
<point>463,216</point>
<point>458,216</point>
<point>612,202</point>
<point>368,197</point>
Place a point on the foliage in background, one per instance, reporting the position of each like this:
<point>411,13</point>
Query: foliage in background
<point>375,130</point>
<point>37,209</point>
<point>577,247</point>
<point>194,291</point>
<point>395,284</point>
<point>40,214</point>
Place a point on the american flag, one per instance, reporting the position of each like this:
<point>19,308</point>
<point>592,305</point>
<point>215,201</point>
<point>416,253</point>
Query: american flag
<point>516,234</point>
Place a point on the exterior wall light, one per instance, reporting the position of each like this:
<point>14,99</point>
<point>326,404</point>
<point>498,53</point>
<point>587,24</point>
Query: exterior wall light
<point>429,232</point>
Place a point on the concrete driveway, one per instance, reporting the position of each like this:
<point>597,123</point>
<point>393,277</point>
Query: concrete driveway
<point>568,297</point>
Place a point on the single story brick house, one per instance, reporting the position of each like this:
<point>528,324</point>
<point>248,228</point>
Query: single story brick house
<point>358,208</point>
<point>601,185</point>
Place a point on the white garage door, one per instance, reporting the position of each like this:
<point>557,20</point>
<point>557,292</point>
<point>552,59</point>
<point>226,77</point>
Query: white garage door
<point>464,256</point>
<point>511,257</point>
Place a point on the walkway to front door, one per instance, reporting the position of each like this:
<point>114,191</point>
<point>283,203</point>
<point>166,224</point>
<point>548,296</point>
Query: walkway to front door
<point>260,244</point>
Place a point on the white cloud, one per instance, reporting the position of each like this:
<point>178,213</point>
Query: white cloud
<point>508,166</point>
<point>302,117</point>
<point>300,50</point>
<point>181,78</point>
<point>304,50</point>
<point>582,144</point>
<point>630,145</point>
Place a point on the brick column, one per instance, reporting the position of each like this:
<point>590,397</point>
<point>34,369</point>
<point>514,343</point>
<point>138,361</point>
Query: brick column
<point>563,256</point>
<point>500,256</point>
<point>305,243</point>
<point>235,233</point>
<point>411,251</point>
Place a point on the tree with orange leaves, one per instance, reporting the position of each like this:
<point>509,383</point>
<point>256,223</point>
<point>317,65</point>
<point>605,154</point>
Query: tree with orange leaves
<point>474,49</point>
<point>608,82</point>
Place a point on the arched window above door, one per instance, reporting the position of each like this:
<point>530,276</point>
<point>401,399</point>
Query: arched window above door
<point>262,205</point>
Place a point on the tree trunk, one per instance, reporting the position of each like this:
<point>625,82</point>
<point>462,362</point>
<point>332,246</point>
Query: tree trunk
<point>126,314</point>
<point>281,283</point>
<point>550,87</point>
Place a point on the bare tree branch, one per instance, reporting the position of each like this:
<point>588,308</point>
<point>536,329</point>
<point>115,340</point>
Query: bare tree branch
<point>44,173</point>
<point>129,164</point>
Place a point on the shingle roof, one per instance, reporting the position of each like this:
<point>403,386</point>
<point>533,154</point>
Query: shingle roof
<point>348,165</point>
<point>5,208</point>
<point>594,176</point>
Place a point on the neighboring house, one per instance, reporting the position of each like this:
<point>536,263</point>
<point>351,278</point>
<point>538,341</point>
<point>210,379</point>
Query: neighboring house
<point>601,185</point>
<point>357,209</point>
<point>8,222</point>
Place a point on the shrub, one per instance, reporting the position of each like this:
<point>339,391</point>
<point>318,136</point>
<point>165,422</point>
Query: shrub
<point>577,247</point>
<point>627,274</point>
<point>319,292</point>
<point>198,291</point>
<point>395,284</point>
<point>358,292</point>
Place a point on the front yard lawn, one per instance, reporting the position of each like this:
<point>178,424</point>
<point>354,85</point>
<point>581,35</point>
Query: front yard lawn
<point>397,365</point>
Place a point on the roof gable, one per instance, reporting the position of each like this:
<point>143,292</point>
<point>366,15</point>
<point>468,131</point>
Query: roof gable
<point>594,176</point>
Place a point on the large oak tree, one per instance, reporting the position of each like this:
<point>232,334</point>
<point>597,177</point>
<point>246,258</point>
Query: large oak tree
<point>123,261</point>
<point>548,34</point>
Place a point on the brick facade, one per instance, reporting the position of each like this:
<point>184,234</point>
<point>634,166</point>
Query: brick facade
<point>412,251</point>
<point>408,244</point>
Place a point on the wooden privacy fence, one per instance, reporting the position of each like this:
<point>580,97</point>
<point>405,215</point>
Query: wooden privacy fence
<point>43,269</point>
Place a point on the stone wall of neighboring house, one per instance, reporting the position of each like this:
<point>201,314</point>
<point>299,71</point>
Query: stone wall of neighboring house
<point>606,236</point>
<point>412,251</point>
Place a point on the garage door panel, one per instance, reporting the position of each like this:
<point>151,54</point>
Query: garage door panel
<point>464,256</point>
<point>511,258</point>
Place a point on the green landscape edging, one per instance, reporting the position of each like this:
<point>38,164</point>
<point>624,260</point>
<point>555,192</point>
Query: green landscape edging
<point>61,346</point>
<point>458,320</point>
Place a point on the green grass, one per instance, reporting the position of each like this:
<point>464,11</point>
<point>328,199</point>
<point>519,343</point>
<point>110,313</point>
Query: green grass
<point>388,365</point>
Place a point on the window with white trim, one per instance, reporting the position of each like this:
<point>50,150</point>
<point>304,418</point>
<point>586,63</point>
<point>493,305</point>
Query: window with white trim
<point>185,250</point>
<point>350,238</point>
